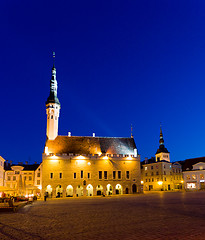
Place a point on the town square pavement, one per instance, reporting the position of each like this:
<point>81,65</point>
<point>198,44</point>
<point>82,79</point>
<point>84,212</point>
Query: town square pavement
<point>161,215</point>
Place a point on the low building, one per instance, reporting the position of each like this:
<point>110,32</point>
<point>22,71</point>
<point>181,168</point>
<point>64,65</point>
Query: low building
<point>20,179</point>
<point>159,174</point>
<point>2,171</point>
<point>194,174</point>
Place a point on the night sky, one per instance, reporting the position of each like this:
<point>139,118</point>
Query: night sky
<point>118,63</point>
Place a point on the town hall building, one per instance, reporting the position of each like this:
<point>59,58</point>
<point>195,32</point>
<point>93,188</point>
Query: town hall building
<point>86,166</point>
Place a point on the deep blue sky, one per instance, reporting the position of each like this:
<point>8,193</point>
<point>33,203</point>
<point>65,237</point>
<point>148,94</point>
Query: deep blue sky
<point>118,62</point>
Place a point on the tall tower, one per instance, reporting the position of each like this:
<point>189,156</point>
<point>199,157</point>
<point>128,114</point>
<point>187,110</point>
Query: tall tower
<point>52,106</point>
<point>162,153</point>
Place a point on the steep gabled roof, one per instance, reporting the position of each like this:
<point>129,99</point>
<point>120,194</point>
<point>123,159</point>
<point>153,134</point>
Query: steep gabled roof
<point>91,145</point>
<point>188,163</point>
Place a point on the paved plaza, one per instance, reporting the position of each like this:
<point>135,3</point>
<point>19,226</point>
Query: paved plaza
<point>160,215</point>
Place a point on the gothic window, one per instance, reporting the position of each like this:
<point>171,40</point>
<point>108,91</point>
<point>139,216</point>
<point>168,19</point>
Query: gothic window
<point>105,174</point>
<point>100,174</point>
<point>128,174</point>
<point>74,175</point>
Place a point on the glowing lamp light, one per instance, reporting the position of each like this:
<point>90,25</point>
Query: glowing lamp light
<point>80,157</point>
<point>142,182</point>
<point>182,181</point>
<point>105,157</point>
<point>40,187</point>
<point>89,163</point>
<point>129,158</point>
<point>160,182</point>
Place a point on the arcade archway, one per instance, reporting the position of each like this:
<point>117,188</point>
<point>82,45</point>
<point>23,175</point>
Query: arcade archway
<point>89,189</point>
<point>69,191</point>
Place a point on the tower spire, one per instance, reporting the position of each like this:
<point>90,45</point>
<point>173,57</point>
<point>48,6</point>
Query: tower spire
<point>53,85</point>
<point>131,131</point>
<point>52,106</point>
<point>161,139</point>
<point>54,59</point>
<point>161,142</point>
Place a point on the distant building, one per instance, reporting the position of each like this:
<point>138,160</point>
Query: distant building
<point>194,173</point>
<point>159,174</point>
<point>2,171</point>
<point>86,166</point>
<point>21,179</point>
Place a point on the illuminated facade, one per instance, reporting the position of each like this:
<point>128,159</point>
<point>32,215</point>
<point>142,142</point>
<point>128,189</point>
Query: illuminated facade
<point>1,171</point>
<point>195,179</point>
<point>86,166</point>
<point>159,174</point>
<point>23,179</point>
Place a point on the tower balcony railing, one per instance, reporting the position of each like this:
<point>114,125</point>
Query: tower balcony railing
<point>92,155</point>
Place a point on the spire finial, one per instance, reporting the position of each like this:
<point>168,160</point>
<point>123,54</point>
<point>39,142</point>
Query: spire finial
<point>54,59</point>
<point>161,140</point>
<point>131,131</point>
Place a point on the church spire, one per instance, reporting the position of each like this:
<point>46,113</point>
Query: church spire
<point>161,139</point>
<point>161,143</point>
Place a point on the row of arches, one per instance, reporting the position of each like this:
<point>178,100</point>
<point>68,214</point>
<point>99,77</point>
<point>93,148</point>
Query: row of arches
<point>70,191</point>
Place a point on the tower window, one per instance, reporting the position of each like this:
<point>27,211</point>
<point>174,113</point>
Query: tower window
<point>51,116</point>
<point>81,174</point>
<point>74,175</point>
<point>100,174</point>
<point>51,175</point>
<point>114,174</point>
<point>105,174</point>
<point>60,175</point>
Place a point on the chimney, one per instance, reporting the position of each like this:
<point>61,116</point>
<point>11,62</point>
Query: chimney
<point>146,160</point>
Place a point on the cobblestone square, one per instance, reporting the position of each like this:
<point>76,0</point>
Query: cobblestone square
<point>161,215</point>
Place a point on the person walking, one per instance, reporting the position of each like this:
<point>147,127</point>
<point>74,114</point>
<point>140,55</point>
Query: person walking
<point>45,196</point>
